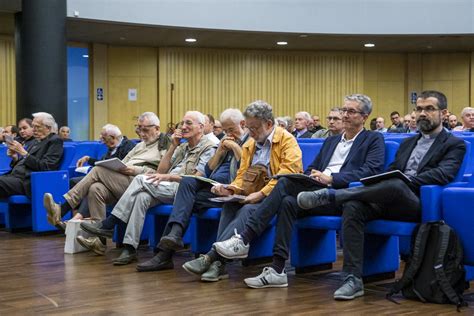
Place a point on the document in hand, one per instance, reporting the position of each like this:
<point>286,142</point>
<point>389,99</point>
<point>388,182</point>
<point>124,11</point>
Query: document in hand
<point>385,176</point>
<point>300,177</point>
<point>113,164</point>
<point>230,198</point>
<point>83,169</point>
<point>210,181</point>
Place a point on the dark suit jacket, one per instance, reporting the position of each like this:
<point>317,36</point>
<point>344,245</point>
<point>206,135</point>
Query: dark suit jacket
<point>44,155</point>
<point>120,153</point>
<point>307,134</point>
<point>366,158</point>
<point>440,164</point>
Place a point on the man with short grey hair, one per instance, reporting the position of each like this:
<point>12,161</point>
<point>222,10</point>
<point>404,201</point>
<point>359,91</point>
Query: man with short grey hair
<point>302,120</point>
<point>104,186</point>
<point>44,154</point>
<point>467,118</point>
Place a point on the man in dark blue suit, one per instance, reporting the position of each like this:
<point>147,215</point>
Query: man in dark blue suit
<point>433,156</point>
<point>343,159</point>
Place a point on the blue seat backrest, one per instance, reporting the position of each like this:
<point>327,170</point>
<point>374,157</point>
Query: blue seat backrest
<point>310,140</point>
<point>470,164</point>
<point>4,159</point>
<point>462,170</point>
<point>83,149</point>
<point>390,152</point>
<point>310,151</point>
<point>100,150</point>
<point>68,155</point>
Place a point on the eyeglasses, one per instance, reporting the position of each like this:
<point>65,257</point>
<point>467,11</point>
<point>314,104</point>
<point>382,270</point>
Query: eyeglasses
<point>106,138</point>
<point>428,109</point>
<point>350,111</point>
<point>334,118</point>
<point>144,128</point>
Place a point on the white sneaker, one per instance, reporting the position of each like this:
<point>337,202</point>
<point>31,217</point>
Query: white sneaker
<point>232,248</point>
<point>268,278</point>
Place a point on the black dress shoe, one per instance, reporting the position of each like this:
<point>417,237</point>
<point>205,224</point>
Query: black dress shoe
<point>97,230</point>
<point>171,243</point>
<point>155,264</point>
<point>127,256</point>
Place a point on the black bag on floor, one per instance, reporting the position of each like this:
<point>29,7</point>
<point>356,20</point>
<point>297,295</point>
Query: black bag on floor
<point>434,271</point>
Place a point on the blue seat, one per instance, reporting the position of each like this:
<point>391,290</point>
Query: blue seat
<point>4,159</point>
<point>310,140</point>
<point>82,149</point>
<point>309,150</point>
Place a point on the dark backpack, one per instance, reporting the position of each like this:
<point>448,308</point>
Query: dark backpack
<point>434,271</point>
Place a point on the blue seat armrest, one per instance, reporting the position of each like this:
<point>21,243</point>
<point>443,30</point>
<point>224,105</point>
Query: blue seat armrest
<point>54,182</point>
<point>355,184</point>
<point>431,202</point>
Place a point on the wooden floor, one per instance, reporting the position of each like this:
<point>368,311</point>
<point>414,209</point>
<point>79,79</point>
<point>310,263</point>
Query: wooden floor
<point>36,277</point>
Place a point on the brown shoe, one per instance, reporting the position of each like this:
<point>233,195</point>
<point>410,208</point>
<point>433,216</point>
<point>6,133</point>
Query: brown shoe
<point>53,209</point>
<point>92,243</point>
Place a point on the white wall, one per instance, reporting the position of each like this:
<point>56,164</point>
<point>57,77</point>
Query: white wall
<point>300,16</point>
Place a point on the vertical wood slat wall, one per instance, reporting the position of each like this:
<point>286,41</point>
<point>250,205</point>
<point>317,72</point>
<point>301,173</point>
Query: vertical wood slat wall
<point>213,80</point>
<point>7,82</point>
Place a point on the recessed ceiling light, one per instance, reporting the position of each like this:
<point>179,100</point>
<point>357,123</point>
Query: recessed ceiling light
<point>369,45</point>
<point>85,56</point>
<point>191,40</point>
<point>429,47</point>
<point>303,35</point>
<point>122,38</point>
<point>282,43</point>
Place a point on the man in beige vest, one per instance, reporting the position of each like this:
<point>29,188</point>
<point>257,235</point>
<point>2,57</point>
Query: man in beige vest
<point>104,186</point>
<point>188,158</point>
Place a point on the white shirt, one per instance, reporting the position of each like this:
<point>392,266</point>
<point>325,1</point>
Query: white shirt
<point>213,138</point>
<point>340,154</point>
<point>263,151</point>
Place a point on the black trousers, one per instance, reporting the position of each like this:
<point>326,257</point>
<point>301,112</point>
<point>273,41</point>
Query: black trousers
<point>192,196</point>
<point>282,202</point>
<point>390,199</point>
<point>11,185</point>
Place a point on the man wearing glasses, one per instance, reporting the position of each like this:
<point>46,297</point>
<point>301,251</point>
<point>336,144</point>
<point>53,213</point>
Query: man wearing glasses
<point>335,126</point>
<point>188,158</point>
<point>345,158</point>
<point>433,156</point>
<point>42,155</point>
<point>104,186</point>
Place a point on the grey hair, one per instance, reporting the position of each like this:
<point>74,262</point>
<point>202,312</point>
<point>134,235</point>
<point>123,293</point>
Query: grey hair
<point>63,127</point>
<point>466,110</point>
<point>201,118</point>
<point>112,130</point>
<point>47,120</point>
<point>259,109</point>
<point>335,109</point>
<point>306,115</point>
<point>152,118</point>
<point>364,101</point>
<point>232,114</point>
<point>280,119</point>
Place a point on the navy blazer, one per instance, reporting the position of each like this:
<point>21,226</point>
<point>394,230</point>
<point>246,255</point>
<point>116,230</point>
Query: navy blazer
<point>440,164</point>
<point>366,158</point>
<point>306,134</point>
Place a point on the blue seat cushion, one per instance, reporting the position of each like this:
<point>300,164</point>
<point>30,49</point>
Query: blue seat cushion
<point>211,213</point>
<point>320,222</point>
<point>164,210</point>
<point>19,199</point>
<point>384,227</point>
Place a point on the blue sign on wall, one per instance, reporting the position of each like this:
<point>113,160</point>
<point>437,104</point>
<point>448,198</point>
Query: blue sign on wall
<point>413,97</point>
<point>100,94</point>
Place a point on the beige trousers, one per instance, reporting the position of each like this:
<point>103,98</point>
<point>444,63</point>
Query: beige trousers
<point>101,186</point>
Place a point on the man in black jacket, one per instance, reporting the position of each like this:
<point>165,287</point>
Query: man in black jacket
<point>44,155</point>
<point>433,156</point>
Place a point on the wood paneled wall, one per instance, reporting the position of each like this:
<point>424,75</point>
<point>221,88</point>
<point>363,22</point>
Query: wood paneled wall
<point>7,81</point>
<point>213,80</point>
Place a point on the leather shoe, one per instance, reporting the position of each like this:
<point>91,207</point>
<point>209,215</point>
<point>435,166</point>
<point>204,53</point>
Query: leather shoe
<point>125,257</point>
<point>97,230</point>
<point>155,264</point>
<point>171,243</point>
<point>53,209</point>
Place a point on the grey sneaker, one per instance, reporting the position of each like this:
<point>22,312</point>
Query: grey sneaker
<point>232,248</point>
<point>217,271</point>
<point>351,288</point>
<point>268,278</point>
<point>92,243</point>
<point>311,199</point>
<point>53,209</point>
<point>198,266</point>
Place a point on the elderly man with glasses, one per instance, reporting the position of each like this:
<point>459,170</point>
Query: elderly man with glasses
<point>432,156</point>
<point>335,126</point>
<point>43,155</point>
<point>104,186</point>
<point>345,158</point>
